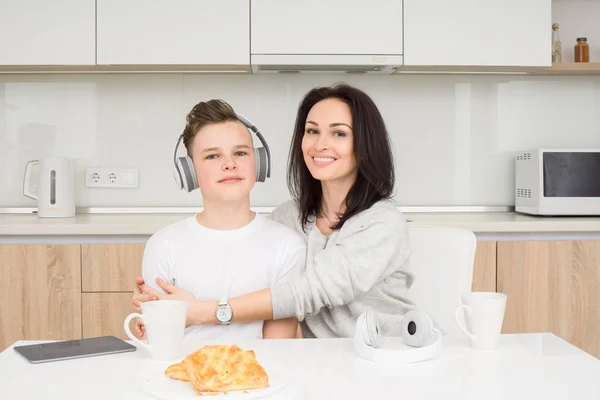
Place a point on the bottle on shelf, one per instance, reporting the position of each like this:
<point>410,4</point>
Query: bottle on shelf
<point>556,45</point>
<point>582,50</point>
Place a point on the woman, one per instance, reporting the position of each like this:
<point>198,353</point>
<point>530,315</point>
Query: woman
<point>341,176</point>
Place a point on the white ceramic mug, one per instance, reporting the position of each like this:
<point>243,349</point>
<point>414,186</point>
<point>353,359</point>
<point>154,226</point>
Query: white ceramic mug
<point>164,324</point>
<point>484,318</point>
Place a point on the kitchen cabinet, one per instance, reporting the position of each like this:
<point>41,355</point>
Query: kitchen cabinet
<point>37,32</point>
<point>108,275</point>
<point>69,291</point>
<point>313,27</point>
<point>86,290</point>
<point>104,313</point>
<point>184,32</point>
<point>40,292</point>
<point>484,267</point>
<point>552,286</point>
<point>110,267</point>
<point>476,33</point>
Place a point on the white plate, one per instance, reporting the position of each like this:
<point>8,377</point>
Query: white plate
<point>152,380</point>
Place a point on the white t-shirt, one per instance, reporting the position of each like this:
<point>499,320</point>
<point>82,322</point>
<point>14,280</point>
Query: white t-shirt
<point>212,264</point>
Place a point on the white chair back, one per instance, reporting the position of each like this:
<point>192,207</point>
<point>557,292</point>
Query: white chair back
<point>442,261</point>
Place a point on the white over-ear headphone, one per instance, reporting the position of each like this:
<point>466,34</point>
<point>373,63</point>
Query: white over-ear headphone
<point>185,173</point>
<point>419,340</point>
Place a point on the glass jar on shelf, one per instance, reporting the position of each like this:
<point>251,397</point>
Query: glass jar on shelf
<point>582,50</point>
<point>556,45</point>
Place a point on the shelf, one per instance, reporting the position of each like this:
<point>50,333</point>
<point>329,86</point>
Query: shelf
<point>571,69</point>
<point>565,69</point>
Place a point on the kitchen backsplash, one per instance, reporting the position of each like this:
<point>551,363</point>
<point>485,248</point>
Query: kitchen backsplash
<point>454,136</point>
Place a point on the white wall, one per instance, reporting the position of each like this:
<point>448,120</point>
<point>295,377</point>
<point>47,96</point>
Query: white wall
<point>453,135</point>
<point>577,18</point>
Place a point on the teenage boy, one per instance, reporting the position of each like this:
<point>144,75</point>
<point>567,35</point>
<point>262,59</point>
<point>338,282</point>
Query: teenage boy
<point>227,249</point>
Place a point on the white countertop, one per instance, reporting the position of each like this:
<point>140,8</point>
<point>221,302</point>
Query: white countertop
<point>526,366</point>
<point>147,224</point>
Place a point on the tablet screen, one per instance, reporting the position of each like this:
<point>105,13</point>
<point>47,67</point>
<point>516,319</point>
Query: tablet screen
<point>68,349</point>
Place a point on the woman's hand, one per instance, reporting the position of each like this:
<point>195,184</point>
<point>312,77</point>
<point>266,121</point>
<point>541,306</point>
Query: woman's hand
<point>139,297</point>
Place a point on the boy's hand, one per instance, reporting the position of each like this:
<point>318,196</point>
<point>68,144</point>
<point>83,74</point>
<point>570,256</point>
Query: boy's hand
<point>139,297</point>
<point>140,331</point>
<point>172,293</point>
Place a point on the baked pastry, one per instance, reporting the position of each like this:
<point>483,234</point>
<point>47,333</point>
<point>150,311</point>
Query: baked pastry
<point>178,371</point>
<point>220,368</point>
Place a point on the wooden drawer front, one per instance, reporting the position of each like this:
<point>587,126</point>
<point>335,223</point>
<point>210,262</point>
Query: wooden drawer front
<point>484,268</point>
<point>110,267</point>
<point>552,286</point>
<point>103,314</point>
<point>40,292</point>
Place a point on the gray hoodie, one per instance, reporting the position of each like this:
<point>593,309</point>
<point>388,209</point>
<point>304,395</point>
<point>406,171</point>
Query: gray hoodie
<point>362,265</point>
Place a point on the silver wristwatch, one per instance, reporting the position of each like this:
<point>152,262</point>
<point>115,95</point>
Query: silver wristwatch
<point>224,313</point>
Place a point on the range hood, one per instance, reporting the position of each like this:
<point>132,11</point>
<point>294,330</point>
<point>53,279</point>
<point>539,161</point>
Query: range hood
<point>325,63</point>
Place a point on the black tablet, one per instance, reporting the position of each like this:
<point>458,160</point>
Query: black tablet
<point>69,349</point>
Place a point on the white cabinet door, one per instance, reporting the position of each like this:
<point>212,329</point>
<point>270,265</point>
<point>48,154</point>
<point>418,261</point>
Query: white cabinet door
<point>326,27</point>
<point>477,32</point>
<point>176,32</point>
<point>43,32</point>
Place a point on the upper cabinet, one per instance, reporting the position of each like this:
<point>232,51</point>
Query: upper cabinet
<point>271,36</point>
<point>183,32</point>
<point>60,32</point>
<point>477,33</point>
<point>327,27</point>
<point>326,32</point>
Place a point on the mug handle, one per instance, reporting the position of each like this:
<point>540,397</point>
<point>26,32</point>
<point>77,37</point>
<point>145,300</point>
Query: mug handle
<point>464,328</point>
<point>131,335</point>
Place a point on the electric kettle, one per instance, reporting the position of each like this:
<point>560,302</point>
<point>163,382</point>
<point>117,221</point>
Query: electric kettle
<point>54,187</point>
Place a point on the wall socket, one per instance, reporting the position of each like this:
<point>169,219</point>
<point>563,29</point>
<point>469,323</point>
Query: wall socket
<point>111,178</point>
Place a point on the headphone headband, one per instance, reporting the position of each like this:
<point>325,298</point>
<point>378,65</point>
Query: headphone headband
<point>185,173</point>
<point>254,129</point>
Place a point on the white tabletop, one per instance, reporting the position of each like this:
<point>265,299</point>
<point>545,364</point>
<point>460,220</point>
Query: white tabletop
<point>527,366</point>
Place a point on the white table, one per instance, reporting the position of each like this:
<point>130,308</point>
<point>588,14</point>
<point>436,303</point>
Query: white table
<point>527,366</point>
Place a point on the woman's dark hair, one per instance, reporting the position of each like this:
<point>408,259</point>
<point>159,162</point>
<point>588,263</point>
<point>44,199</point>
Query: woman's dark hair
<point>372,150</point>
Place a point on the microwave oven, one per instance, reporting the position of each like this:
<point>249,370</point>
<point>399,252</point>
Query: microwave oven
<point>558,182</point>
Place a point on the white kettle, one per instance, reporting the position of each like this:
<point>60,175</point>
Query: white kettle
<point>54,188</point>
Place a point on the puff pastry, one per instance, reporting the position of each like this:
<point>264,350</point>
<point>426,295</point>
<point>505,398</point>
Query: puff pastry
<point>220,368</point>
<point>178,371</point>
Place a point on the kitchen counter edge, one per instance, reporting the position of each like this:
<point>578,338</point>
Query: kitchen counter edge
<point>148,224</point>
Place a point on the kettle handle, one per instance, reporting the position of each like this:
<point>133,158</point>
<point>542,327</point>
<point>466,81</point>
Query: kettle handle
<point>26,184</point>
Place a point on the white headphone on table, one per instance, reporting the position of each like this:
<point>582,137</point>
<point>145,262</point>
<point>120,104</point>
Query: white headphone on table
<point>420,339</point>
<point>185,173</point>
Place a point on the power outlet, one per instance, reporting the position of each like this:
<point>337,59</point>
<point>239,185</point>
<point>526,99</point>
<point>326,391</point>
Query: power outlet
<point>111,178</point>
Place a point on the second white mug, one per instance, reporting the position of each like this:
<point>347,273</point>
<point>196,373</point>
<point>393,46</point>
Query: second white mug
<point>164,323</point>
<point>484,318</point>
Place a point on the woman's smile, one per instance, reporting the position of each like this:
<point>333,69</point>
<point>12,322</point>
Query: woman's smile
<point>323,161</point>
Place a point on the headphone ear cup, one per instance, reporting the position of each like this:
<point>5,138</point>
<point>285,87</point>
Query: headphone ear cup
<point>189,180</point>
<point>417,329</point>
<point>368,329</point>
<point>262,164</point>
<point>177,175</point>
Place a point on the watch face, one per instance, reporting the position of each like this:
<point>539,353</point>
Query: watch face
<point>224,313</point>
